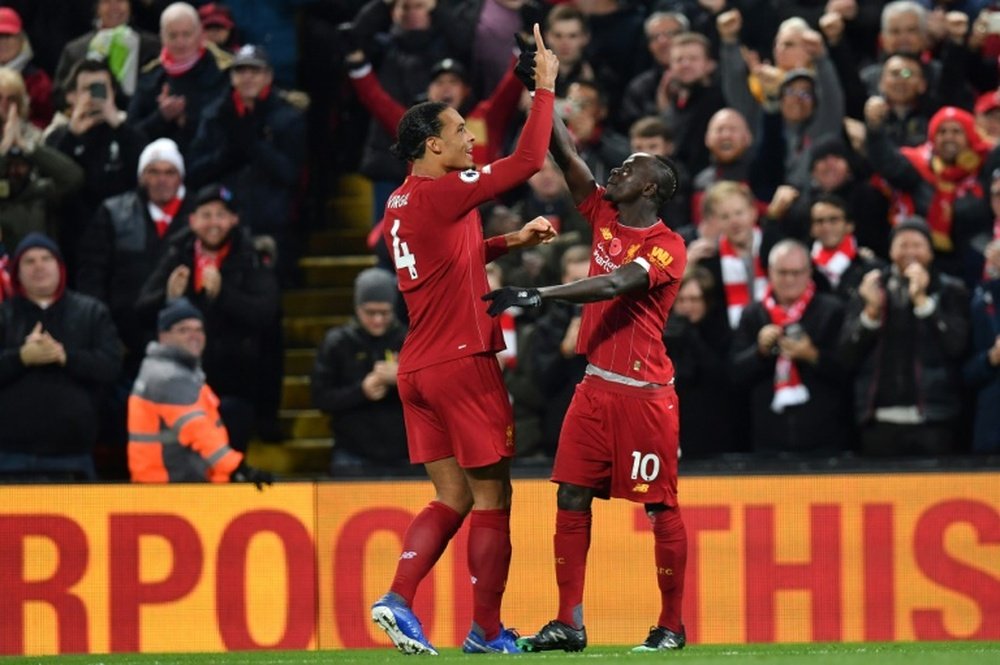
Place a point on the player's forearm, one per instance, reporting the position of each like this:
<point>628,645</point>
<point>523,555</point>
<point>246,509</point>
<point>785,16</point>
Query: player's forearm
<point>529,155</point>
<point>595,289</point>
<point>561,146</point>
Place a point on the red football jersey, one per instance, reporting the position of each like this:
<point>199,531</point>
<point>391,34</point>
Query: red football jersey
<point>624,335</point>
<point>433,231</point>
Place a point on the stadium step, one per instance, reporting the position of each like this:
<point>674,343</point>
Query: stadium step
<point>303,424</point>
<point>294,457</point>
<point>337,242</point>
<point>299,362</point>
<point>318,302</point>
<point>326,271</point>
<point>308,331</point>
<point>332,259</point>
<point>350,207</point>
<point>295,392</point>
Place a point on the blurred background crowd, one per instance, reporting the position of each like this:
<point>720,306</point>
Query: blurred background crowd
<point>840,201</point>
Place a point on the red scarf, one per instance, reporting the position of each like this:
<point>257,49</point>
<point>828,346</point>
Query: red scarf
<point>174,68</point>
<point>950,182</point>
<point>735,278</point>
<point>241,107</point>
<point>168,212</point>
<point>833,262</point>
<point>203,260</point>
<point>788,387</point>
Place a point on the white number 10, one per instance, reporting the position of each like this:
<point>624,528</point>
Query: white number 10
<point>647,466</point>
<point>401,252</point>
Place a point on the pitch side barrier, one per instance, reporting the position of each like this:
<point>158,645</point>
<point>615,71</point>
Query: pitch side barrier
<point>799,557</point>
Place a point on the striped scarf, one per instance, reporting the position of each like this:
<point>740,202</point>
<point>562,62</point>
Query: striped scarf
<point>833,262</point>
<point>735,278</point>
<point>788,387</point>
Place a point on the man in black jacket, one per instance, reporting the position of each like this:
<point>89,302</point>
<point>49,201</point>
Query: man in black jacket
<point>58,351</point>
<point>785,354</point>
<point>354,381</point>
<point>126,239</point>
<point>254,142</point>
<point>216,266</point>
<point>175,89</point>
<point>905,335</point>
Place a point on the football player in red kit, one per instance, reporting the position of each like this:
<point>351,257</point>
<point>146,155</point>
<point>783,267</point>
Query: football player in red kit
<point>620,434</point>
<point>458,418</point>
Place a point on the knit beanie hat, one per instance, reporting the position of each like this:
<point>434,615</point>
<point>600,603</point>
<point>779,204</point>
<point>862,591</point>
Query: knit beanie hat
<point>176,312</point>
<point>161,150</point>
<point>913,223</point>
<point>31,241</point>
<point>374,285</point>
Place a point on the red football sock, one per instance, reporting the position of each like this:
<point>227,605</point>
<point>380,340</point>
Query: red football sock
<point>670,540</point>
<point>489,562</point>
<point>426,539</point>
<point>571,542</point>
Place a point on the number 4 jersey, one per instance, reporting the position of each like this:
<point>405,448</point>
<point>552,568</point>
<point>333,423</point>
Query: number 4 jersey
<point>433,231</point>
<point>440,254</point>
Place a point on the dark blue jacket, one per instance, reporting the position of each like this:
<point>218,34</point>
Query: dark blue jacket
<point>258,155</point>
<point>979,373</point>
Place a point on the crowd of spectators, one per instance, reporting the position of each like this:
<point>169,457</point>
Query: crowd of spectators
<point>840,203</point>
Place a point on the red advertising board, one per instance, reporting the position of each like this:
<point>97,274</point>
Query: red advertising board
<point>775,558</point>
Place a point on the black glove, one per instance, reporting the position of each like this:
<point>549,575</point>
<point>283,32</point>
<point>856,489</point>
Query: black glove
<point>512,296</point>
<point>245,473</point>
<point>525,68</point>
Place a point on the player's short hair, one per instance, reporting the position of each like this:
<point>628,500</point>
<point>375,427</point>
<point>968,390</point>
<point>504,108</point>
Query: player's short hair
<point>667,178</point>
<point>418,124</point>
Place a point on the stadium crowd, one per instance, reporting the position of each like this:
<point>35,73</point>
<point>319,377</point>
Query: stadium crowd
<point>840,201</point>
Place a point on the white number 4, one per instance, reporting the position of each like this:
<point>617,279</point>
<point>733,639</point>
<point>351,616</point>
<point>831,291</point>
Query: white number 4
<point>647,466</point>
<point>401,252</point>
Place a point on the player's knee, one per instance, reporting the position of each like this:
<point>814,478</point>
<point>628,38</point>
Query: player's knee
<point>573,497</point>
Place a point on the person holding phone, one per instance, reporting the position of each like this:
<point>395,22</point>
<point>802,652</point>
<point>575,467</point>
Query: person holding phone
<point>784,353</point>
<point>93,133</point>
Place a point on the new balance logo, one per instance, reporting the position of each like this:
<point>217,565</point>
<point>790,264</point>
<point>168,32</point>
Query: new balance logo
<point>409,554</point>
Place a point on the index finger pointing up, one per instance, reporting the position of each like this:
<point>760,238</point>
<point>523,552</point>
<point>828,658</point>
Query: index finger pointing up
<point>538,38</point>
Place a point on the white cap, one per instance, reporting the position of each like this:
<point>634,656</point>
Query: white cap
<point>161,150</point>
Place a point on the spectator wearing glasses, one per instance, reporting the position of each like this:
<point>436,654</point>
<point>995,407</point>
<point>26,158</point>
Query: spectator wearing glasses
<point>840,264</point>
<point>785,353</point>
<point>354,382</point>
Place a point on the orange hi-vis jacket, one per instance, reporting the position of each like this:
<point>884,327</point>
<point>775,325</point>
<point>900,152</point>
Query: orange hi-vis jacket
<point>175,433</point>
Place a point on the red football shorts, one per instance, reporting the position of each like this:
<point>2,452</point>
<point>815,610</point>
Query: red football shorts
<point>620,441</point>
<point>458,409</point>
